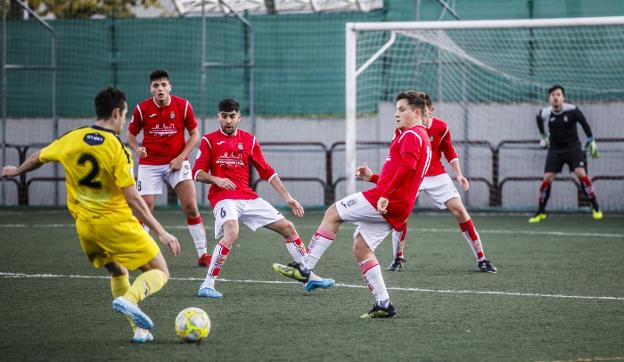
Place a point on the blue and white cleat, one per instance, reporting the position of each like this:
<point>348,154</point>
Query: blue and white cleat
<point>209,293</point>
<point>319,283</point>
<point>132,311</point>
<point>142,336</point>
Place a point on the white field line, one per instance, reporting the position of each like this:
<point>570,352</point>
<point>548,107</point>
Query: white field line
<point>9,275</point>
<point>351,227</point>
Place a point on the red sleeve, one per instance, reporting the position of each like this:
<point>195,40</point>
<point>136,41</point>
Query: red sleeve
<point>257,158</point>
<point>189,117</point>
<point>136,123</point>
<point>409,145</point>
<point>374,178</point>
<point>446,146</point>
<point>203,159</point>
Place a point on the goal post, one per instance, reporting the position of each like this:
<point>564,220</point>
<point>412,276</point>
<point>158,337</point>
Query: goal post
<point>488,78</point>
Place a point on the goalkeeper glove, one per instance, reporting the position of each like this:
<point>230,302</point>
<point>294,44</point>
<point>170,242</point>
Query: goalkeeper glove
<point>592,148</point>
<point>544,141</point>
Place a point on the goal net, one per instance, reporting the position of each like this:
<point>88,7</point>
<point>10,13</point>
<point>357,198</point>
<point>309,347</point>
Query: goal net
<point>488,79</point>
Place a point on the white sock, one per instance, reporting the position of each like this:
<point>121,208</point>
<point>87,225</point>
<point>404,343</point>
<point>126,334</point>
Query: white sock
<point>396,239</point>
<point>295,248</point>
<point>198,233</point>
<point>470,234</point>
<point>219,256</point>
<point>371,272</point>
<point>321,240</point>
<point>208,282</point>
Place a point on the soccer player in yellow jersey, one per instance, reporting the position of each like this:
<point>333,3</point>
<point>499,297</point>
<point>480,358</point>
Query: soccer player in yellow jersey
<point>101,197</point>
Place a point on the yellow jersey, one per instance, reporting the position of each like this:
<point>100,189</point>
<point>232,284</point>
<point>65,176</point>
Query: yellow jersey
<point>97,166</point>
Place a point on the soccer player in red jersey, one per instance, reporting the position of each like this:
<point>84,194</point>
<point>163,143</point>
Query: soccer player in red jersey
<point>438,185</point>
<point>163,157</point>
<point>224,161</point>
<point>378,210</point>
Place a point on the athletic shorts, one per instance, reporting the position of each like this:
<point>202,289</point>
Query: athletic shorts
<point>253,213</point>
<point>573,157</point>
<point>124,242</point>
<point>439,188</point>
<point>151,177</point>
<point>369,223</point>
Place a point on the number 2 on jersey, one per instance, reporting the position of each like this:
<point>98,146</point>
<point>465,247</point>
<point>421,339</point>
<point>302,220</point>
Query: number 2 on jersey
<point>89,179</point>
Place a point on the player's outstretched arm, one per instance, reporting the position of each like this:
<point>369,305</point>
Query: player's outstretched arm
<point>364,172</point>
<point>134,144</point>
<point>294,205</point>
<point>142,212</point>
<point>459,176</point>
<point>222,182</point>
<point>176,163</point>
<point>544,141</point>
<point>31,163</point>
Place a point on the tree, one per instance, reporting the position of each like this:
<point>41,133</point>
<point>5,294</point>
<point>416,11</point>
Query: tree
<point>86,9</point>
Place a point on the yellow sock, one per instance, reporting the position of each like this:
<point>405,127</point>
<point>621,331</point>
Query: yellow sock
<point>146,284</point>
<point>119,287</point>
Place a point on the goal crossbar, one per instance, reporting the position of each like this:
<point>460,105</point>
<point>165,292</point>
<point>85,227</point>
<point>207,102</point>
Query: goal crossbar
<point>352,72</point>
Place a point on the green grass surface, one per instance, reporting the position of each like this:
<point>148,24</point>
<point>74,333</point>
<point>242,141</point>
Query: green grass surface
<point>543,305</point>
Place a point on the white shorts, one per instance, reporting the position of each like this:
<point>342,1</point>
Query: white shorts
<point>370,224</point>
<point>439,188</point>
<point>151,177</point>
<point>253,213</point>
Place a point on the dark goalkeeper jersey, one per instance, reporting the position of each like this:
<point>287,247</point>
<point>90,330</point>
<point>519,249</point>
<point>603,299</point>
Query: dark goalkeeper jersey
<point>562,126</point>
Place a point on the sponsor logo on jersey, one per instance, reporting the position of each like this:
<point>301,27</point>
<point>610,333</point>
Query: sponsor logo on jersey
<point>552,119</point>
<point>220,143</point>
<point>163,130</point>
<point>93,139</point>
<point>230,160</point>
<point>172,115</point>
<point>152,115</point>
<point>565,118</point>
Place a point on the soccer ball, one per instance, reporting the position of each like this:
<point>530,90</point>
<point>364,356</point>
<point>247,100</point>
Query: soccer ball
<point>192,324</point>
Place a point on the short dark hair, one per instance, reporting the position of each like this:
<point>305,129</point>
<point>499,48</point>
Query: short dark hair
<point>554,88</point>
<point>428,101</point>
<point>107,100</point>
<point>229,105</point>
<point>159,74</point>
<point>415,99</point>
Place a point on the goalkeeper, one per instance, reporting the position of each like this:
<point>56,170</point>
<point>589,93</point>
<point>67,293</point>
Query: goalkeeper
<point>564,147</point>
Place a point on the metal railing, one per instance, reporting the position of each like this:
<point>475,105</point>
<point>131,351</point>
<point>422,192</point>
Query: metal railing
<point>495,184</point>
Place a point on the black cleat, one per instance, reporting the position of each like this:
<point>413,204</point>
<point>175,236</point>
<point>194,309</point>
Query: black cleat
<point>487,267</point>
<point>397,264</point>
<point>380,312</point>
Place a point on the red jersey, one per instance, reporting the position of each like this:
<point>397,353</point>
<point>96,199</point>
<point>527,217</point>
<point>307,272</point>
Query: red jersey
<point>402,173</point>
<point>163,128</point>
<point>440,138</point>
<point>229,156</point>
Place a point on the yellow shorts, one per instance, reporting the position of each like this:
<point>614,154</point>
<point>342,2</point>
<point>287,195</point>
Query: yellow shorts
<point>124,242</point>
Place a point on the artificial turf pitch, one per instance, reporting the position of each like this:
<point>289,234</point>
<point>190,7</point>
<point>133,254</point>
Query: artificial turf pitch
<point>558,295</point>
